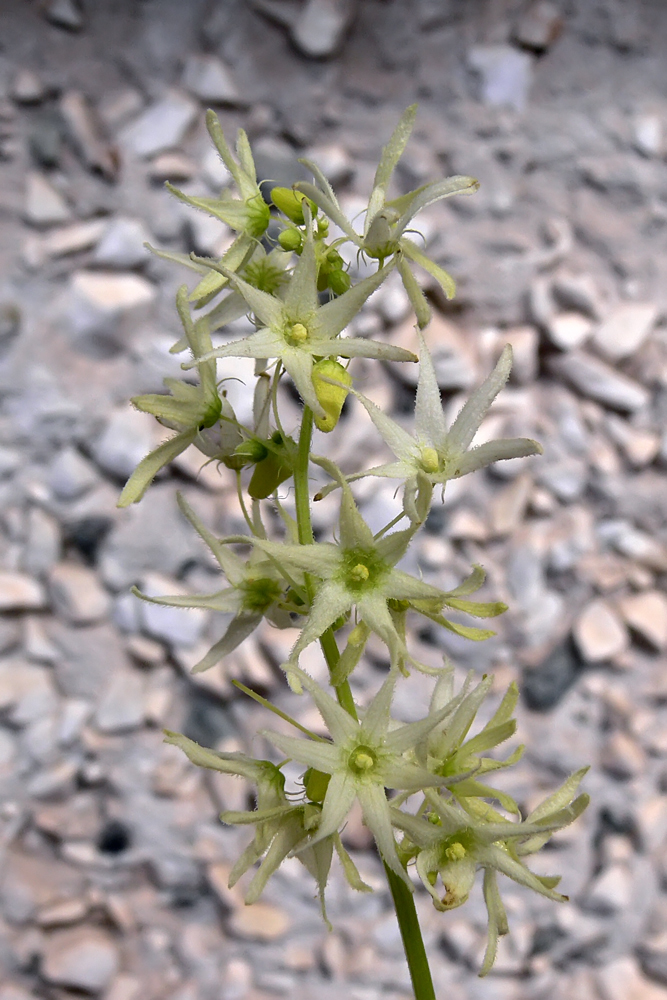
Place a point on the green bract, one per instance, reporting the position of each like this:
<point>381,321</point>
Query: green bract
<point>443,816</point>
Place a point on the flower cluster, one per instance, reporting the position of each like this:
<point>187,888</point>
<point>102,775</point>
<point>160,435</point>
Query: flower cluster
<point>438,817</point>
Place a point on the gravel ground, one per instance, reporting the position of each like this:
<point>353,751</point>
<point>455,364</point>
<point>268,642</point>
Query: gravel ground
<point>114,874</point>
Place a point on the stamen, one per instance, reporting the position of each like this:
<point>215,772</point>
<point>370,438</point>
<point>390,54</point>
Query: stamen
<point>359,573</point>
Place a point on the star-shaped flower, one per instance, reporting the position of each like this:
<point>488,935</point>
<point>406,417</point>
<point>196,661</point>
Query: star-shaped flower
<point>452,844</point>
<point>435,453</point>
<point>298,331</point>
<point>256,591</point>
<point>386,222</point>
<point>281,824</point>
<point>248,216</point>
<point>363,759</point>
<point>360,572</point>
<point>190,409</point>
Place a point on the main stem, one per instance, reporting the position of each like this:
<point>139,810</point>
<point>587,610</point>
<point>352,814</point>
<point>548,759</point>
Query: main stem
<point>404,903</point>
<point>306,537</point>
<point>411,935</point>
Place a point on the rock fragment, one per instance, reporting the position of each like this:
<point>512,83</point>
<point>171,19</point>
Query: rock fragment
<point>83,958</point>
<point>646,614</point>
<point>63,241</point>
<point>27,691</point>
<point>44,204</point>
<point>122,244</point>
<point>128,436</point>
<point>568,330</point>
<point>625,329</point>
<point>19,592</point>
<point>596,380</point>
<point>64,14</point>
<point>161,126</point>
<point>71,475</point>
<point>320,27</point>
<point>598,633</point>
<point>87,134</point>
<point>207,77</point>
<point>27,88</point>
<point>99,306</point>
<point>76,594</point>
<point>260,922</point>
<point>121,706</point>
<point>623,980</point>
<point>538,26</point>
<point>504,73</point>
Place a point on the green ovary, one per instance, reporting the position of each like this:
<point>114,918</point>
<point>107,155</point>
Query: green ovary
<point>430,460</point>
<point>362,570</point>
<point>362,760</point>
<point>297,334</point>
<point>260,594</point>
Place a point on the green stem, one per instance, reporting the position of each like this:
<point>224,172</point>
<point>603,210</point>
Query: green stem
<point>306,537</point>
<point>411,934</point>
<point>404,903</point>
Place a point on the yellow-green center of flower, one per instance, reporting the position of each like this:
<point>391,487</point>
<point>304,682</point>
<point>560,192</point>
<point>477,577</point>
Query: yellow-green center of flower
<point>455,852</point>
<point>259,593</point>
<point>359,573</point>
<point>430,461</point>
<point>362,570</point>
<point>298,334</point>
<point>362,760</point>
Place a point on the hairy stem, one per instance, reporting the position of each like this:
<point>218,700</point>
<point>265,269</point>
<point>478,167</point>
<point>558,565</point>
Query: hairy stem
<point>413,943</point>
<point>305,532</point>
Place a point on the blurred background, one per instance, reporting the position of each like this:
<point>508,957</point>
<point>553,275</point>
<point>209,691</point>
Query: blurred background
<point>114,870</point>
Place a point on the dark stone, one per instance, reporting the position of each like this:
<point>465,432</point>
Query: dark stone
<point>87,534</point>
<point>545,937</point>
<point>544,686</point>
<point>654,965</point>
<point>207,721</point>
<point>114,838</point>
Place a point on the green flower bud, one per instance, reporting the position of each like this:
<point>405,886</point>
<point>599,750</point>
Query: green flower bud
<point>272,470</point>
<point>339,281</point>
<point>316,784</point>
<point>252,451</point>
<point>330,397</point>
<point>290,203</point>
<point>291,239</point>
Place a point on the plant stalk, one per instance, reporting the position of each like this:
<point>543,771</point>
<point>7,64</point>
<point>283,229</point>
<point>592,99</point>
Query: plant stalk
<point>404,903</point>
<point>306,537</point>
<point>411,935</point>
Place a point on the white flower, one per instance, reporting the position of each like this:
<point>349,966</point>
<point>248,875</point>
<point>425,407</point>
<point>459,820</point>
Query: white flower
<point>363,759</point>
<point>435,453</point>
<point>387,221</point>
<point>298,331</point>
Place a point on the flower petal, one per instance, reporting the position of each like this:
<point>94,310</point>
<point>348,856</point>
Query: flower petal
<point>335,315</point>
<point>149,466</point>
<point>498,925</point>
<point>401,443</point>
<point>341,793</point>
<point>391,154</point>
<point>430,424</point>
<point>494,451</point>
<point>340,723</point>
<point>431,193</point>
<point>474,410</point>
<point>331,601</point>
<point>378,820</point>
<point>322,756</point>
<point>298,363</point>
<point>301,295</point>
<point>238,629</point>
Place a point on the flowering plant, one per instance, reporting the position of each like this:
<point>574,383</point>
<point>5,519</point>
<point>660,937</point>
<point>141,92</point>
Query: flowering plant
<point>437,826</point>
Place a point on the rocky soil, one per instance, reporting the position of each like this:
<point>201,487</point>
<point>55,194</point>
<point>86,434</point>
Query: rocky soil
<point>114,873</point>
